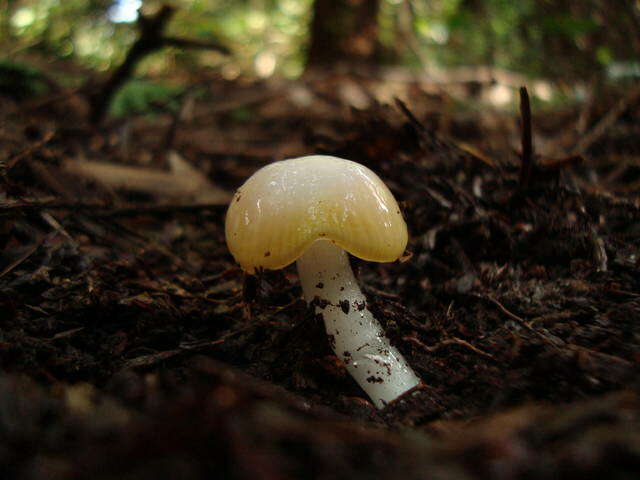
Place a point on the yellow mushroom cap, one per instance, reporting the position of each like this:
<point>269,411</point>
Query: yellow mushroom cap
<point>284,207</point>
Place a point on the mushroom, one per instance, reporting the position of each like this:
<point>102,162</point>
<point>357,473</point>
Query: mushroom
<point>313,210</point>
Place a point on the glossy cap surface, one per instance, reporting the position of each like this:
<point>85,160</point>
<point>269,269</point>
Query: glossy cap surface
<point>287,205</point>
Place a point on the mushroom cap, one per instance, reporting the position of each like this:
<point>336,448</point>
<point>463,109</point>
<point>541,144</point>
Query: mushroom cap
<point>284,207</point>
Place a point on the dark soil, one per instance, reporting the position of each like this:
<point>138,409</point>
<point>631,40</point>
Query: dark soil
<point>133,347</point>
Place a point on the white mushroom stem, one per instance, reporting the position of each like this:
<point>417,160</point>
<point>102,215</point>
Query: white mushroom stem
<point>355,335</point>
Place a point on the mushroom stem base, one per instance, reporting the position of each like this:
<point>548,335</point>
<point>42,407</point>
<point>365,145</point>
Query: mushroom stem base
<point>355,335</point>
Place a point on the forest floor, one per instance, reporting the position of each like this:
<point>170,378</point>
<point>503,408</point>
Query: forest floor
<point>133,347</point>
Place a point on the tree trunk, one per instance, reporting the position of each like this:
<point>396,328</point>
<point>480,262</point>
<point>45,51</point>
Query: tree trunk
<point>343,32</point>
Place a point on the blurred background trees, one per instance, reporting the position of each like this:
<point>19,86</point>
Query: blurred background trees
<point>560,40</point>
<point>343,32</point>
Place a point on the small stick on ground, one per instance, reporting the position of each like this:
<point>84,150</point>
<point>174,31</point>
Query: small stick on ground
<point>183,181</point>
<point>527,142</point>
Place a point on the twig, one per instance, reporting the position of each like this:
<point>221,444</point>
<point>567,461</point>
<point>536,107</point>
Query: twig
<point>66,334</point>
<point>409,114</point>
<point>448,341</point>
<point>607,121</point>
<point>26,254</point>
<point>29,150</point>
<point>150,360</point>
<point>108,211</point>
<point>504,310</point>
<point>47,217</point>
<point>154,358</point>
<point>460,148</point>
<point>526,139</point>
<point>518,319</point>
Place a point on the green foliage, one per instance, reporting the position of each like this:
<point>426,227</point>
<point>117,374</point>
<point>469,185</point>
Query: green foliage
<point>568,26</point>
<point>144,97</point>
<point>70,28</point>
<point>265,35</point>
<point>561,39</point>
<point>260,33</point>
<point>242,115</point>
